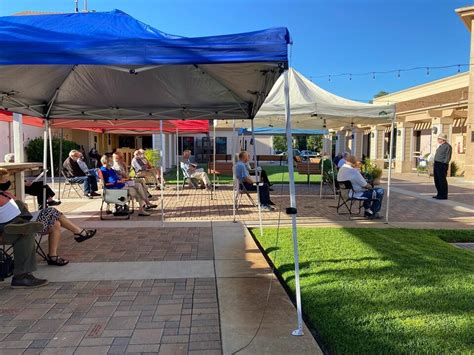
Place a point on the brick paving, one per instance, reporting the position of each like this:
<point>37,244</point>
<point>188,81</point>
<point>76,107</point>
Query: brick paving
<point>140,244</point>
<point>178,316</point>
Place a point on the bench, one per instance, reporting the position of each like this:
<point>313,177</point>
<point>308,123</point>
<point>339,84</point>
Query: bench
<point>222,157</point>
<point>277,158</point>
<point>222,168</point>
<point>308,169</point>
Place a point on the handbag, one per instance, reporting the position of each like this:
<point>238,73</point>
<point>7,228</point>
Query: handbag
<point>6,264</point>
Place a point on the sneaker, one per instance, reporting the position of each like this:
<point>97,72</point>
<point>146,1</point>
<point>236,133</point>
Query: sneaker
<point>27,281</point>
<point>53,203</point>
<point>94,194</point>
<point>266,208</point>
<point>144,214</point>
<point>150,206</point>
<point>368,214</point>
<point>24,228</point>
<point>88,196</point>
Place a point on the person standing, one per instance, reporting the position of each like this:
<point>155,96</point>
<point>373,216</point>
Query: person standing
<point>441,165</point>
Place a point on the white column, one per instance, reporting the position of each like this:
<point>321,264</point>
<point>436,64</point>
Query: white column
<point>340,142</point>
<point>357,142</point>
<point>374,135</point>
<point>327,143</point>
<point>18,150</point>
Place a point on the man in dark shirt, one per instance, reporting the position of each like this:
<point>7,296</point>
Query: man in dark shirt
<point>74,173</point>
<point>441,165</point>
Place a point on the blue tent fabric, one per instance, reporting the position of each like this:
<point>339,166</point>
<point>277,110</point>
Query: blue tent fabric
<point>271,131</point>
<point>115,38</point>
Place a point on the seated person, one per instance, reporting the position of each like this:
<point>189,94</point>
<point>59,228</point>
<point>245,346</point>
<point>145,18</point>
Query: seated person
<point>74,173</point>
<point>94,158</point>
<point>248,181</point>
<point>342,161</point>
<point>374,196</point>
<point>112,181</point>
<point>193,171</point>
<point>36,188</point>
<point>143,167</point>
<point>124,174</point>
<point>83,165</point>
<point>51,219</point>
<point>261,172</point>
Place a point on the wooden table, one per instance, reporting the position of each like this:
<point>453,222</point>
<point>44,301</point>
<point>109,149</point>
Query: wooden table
<point>18,170</point>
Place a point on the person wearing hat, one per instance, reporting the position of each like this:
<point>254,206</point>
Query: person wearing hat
<point>441,165</point>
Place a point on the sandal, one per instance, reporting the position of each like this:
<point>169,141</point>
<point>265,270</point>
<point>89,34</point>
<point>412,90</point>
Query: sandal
<point>84,235</point>
<point>56,260</point>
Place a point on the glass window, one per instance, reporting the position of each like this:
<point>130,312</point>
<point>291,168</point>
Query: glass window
<point>127,142</point>
<point>221,145</point>
<point>185,143</point>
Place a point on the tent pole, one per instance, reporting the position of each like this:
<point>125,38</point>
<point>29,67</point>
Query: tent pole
<point>178,165</point>
<point>257,180</point>
<point>389,182</point>
<point>332,170</point>
<point>292,211</point>
<point>322,178</point>
<point>45,160</point>
<point>214,155</point>
<point>161,172</point>
<point>234,182</point>
<point>50,136</point>
<point>60,163</point>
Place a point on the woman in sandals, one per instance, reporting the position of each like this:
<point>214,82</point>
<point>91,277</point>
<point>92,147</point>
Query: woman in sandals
<point>52,220</point>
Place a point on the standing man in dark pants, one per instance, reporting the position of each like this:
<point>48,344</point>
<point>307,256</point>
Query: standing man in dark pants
<point>441,165</point>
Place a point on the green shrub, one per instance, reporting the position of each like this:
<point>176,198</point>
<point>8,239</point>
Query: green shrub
<point>153,156</point>
<point>34,150</point>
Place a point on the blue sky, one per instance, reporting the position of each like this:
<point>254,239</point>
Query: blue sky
<point>330,37</point>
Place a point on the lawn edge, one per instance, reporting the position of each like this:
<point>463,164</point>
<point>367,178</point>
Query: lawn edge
<point>314,332</point>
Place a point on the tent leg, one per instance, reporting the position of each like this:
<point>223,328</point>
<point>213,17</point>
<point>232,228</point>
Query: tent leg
<point>161,172</point>
<point>322,178</point>
<point>60,163</point>
<point>389,182</point>
<point>178,166</point>
<point>234,182</point>
<point>50,136</point>
<point>257,179</point>
<point>299,331</point>
<point>214,156</point>
<point>45,160</point>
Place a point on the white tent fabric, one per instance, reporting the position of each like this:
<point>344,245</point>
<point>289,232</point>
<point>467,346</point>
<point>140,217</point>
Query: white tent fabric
<point>316,108</point>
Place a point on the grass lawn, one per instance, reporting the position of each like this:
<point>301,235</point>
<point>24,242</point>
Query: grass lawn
<point>276,174</point>
<point>386,291</point>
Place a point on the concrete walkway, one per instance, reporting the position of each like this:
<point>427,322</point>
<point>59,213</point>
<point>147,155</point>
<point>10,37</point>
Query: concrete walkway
<point>185,288</point>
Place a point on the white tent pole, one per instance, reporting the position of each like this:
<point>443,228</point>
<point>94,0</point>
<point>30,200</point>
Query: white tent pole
<point>45,160</point>
<point>50,136</point>
<point>178,165</point>
<point>235,185</point>
<point>389,182</point>
<point>332,168</point>
<point>214,154</point>
<point>257,178</point>
<point>161,172</point>
<point>60,163</point>
<point>292,211</point>
<point>322,177</point>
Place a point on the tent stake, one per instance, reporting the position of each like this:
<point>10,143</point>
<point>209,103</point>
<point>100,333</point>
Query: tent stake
<point>292,210</point>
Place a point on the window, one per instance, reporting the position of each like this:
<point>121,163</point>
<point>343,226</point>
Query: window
<point>127,142</point>
<point>185,143</point>
<point>221,145</point>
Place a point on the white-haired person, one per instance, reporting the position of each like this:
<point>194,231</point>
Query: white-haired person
<point>74,173</point>
<point>144,169</point>
<point>193,171</point>
<point>112,181</point>
<point>124,174</point>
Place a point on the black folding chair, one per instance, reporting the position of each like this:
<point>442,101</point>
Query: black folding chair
<point>76,186</point>
<point>242,190</point>
<point>347,197</point>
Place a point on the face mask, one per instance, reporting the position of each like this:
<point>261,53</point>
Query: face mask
<point>5,186</point>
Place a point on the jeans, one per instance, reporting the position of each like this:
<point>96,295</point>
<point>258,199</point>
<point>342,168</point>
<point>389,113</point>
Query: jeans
<point>89,181</point>
<point>377,195</point>
<point>263,190</point>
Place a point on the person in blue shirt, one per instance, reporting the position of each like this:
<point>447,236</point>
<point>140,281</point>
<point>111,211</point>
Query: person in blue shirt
<point>242,174</point>
<point>113,181</point>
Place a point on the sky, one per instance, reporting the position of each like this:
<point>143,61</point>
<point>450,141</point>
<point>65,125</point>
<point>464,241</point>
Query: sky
<point>329,36</point>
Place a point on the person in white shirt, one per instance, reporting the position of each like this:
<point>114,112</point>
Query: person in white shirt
<point>362,189</point>
<point>342,161</point>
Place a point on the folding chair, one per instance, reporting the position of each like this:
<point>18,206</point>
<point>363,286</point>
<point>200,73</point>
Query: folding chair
<point>193,182</point>
<point>76,186</point>
<point>117,197</point>
<point>242,190</point>
<point>346,197</point>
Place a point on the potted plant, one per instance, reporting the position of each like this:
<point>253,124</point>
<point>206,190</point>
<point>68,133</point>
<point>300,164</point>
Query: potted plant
<point>371,171</point>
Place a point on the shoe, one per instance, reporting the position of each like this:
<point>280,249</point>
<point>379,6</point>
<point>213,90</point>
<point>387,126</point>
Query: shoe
<point>441,198</point>
<point>266,208</point>
<point>88,196</point>
<point>369,214</point>
<point>56,260</point>
<point>144,214</point>
<point>27,281</point>
<point>53,203</point>
<point>150,206</point>
<point>376,215</point>
<point>94,194</point>
<point>150,195</point>
<point>435,196</point>
<point>24,228</point>
<point>84,235</point>
<point>271,203</point>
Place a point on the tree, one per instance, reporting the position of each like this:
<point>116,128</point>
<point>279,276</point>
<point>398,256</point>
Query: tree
<point>279,143</point>
<point>379,94</point>
<point>314,143</point>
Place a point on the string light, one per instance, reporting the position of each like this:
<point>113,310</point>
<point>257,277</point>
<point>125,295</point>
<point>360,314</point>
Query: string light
<point>428,70</point>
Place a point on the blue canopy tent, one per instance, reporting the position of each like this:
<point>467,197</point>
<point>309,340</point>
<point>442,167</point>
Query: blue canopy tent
<point>108,65</point>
